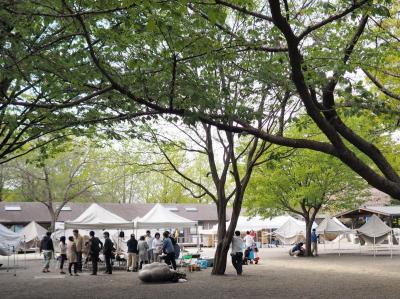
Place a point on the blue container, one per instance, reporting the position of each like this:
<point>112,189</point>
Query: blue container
<point>203,264</point>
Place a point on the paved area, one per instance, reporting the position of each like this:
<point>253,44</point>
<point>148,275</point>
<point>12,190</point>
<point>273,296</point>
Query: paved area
<point>277,276</point>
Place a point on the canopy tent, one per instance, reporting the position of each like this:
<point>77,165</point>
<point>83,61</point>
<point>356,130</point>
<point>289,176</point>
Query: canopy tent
<point>374,231</point>
<point>161,217</point>
<point>31,234</point>
<point>9,241</point>
<point>96,217</point>
<point>331,228</point>
<point>255,223</point>
<point>291,231</point>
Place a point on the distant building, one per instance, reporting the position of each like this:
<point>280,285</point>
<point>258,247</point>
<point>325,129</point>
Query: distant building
<point>15,215</point>
<point>389,214</point>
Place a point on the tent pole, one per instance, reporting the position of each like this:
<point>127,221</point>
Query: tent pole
<point>374,247</point>
<point>8,259</point>
<point>198,241</point>
<point>24,252</point>
<point>391,243</point>
<point>15,267</point>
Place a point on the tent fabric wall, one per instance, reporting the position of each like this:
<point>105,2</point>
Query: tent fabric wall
<point>161,217</point>
<point>31,235</point>
<point>374,231</point>
<point>8,240</point>
<point>291,231</point>
<point>96,217</point>
<point>331,228</point>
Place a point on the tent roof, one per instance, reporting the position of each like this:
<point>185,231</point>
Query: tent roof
<point>256,223</point>
<point>332,225</point>
<point>96,217</point>
<point>292,227</point>
<point>161,217</point>
<point>8,238</point>
<point>32,231</point>
<point>374,227</point>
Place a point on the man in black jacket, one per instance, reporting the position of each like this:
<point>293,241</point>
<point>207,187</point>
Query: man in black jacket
<point>108,252</point>
<point>132,254</point>
<point>95,246</point>
<point>46,246</point>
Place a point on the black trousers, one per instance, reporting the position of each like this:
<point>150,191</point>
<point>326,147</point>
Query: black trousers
<point>108,263</point>
<point>170,259</point>
<point>79,261</point>
<point>237,262</point>
<point>70,268</point>
<point>63,258</point>
<point>95,258</point>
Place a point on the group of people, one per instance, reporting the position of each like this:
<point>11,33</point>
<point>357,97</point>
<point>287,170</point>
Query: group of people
<point>299,250</point>
<point>250,252</point>
<point>72,251</point>
<point>149,249</point>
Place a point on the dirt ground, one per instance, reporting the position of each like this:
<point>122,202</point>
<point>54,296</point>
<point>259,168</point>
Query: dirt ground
<point>277,276</point>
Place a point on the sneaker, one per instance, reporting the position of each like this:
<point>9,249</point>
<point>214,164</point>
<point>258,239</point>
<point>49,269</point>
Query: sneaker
<point>70,274</point>
<point>62,272</point>
<point>44,271</point>
<point>76,274</point>
<point>93,273</point>
<point>127,270</point>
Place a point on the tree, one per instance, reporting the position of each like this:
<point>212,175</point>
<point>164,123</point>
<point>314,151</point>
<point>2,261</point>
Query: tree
<point>304,184</point>
<point>160,61</point>
<point>228,183</point>
<point>56,180</point>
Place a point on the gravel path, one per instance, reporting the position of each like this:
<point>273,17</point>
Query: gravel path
<point>277,276</point>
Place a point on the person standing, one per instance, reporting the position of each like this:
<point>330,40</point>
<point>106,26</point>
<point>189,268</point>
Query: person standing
<point>72,256</point>
<point>237,253</point>
<point>95,246</point>
<point>143,252</point>
<point>314,242</point>
<point>79,248</point>
<point>132,254</point>
<point>46,246</point>
<point>169,249</point>
<point>249,242</point>
<point>108,252</point>
<point>149,240</point>
<point>157,247</point>
<point>63,254</point>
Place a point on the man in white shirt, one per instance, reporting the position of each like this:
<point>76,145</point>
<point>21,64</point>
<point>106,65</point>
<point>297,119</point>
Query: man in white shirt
<point>149,240</point>
<point>237,253</point>
<point>249,242</point>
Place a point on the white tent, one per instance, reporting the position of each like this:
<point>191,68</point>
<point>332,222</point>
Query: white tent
<point>9,241</point>
<point>255,223</point>
<point>331,228</point>
<point>292,231</point>
<point>31,234</point>
<point>374,231</point>
<point>96,217</point>
<point>161,217</point>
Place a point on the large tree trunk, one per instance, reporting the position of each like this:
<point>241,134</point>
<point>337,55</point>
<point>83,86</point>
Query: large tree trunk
<point>225,236</point>
<point>54,217</point>
<point>308,236</point>
<point>220,256</point>
<point>309,223</point>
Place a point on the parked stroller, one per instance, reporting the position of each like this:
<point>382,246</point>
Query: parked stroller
<point>251,255</point>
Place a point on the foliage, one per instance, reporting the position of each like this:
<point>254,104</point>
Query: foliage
<point>306,179</point>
